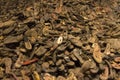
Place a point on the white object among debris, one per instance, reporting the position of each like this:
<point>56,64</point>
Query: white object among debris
<point>60,40</point>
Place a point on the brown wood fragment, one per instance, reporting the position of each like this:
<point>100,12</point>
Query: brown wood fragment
<point>28,45</point>
<point>115,65</point>
<point>36,76</point>
<point>117,59</point>
<point>97,55</point>
<point>7,23</point>
<point>105,74</point>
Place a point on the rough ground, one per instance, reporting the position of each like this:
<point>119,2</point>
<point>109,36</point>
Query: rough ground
<point>59,39</point>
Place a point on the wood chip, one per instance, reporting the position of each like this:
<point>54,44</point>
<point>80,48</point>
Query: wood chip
<point>97,55</point>
<point>7,23</point>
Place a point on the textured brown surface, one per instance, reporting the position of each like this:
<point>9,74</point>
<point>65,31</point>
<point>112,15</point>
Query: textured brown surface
<point>59,39</point>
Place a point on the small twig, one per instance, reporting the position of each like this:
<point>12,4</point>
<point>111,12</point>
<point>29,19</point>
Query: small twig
<point>59,41</point>
<point>30,61</point>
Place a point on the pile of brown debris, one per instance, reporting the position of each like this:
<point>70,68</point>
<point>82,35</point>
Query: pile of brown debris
<point>60,40</point>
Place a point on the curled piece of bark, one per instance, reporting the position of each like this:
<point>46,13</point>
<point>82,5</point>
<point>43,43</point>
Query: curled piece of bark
<point>86,66</point>
<point>1,72</point>
<point>117,59</point>
<point>76,53</point>
<point>94,68</point>
<point>19,61</point>
<point>13,39</point>
<point>8,63</point>
<point>36,76</point>
<point>105,74</point>
<point>7,23</point>
<point>60,78</point>
<point>47,76</point>
<point>28,45</point>
<point>71,76</point>
<point>97,55</point>
<point>115,65</point>
<point>24,75</point>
